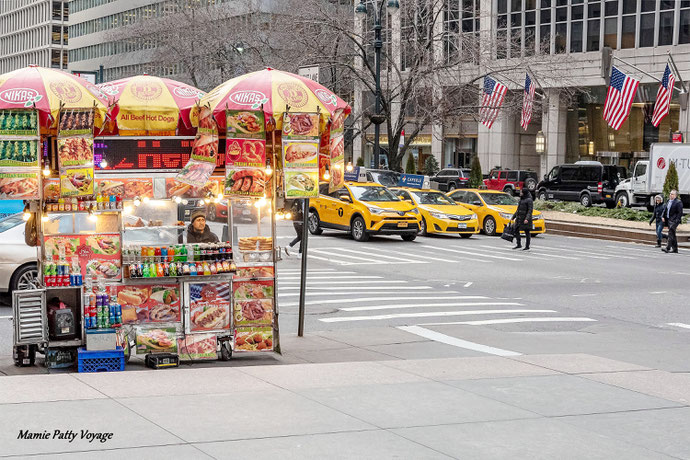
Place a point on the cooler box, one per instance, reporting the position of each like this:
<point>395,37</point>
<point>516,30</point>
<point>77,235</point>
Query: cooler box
<point>101,339</point>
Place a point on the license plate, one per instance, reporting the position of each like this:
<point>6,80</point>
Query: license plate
<point>462,225</point>
<point>246,212</point>
<point>402,224</point>
<point>534,226</point>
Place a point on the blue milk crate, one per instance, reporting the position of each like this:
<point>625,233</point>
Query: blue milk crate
<point>102,360</point>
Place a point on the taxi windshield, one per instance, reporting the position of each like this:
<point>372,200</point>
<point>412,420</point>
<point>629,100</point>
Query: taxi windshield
<point>372,193</point>
<point>433,198</point>
<point>498,199</point>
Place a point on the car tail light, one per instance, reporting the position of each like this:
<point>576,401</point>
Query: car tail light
<point>600,187</point>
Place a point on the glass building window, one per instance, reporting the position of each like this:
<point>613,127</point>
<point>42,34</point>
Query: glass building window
<point>515,42</point>
<point>502,6</point>
<point>667,4</point>
<point>611,33</point>
<point>611,8</point>
<point>545,39</point>
<point>593,27</point>
<point>503,21</point>
<point>594,10</point>
<point>516,19</point>
<point>545,3</point>
<point>545,16</point>
<point>666,28</point>
<point>684,31</point>
<point>630,6</point>
<point>501,39</point>
<point>646,30</point>
<point>561,14</point>
<point>529,41</point>
<point>628,32</point>
<point>530,4</point>
<point>576,37</point>
<point>576,12</point>
<point>648,5</point>
<point>530,18</point>
<point>560,38</point>
<point>516,5</point>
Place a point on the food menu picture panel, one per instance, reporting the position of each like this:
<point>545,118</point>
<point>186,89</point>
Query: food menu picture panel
<point>202,161</point>
<point>253,339</point>
<point>20,151</point>
<point>253,302</point>
<point>208,307</point>
<point>156,339</point>
<point>242,182</point>
<point>76,122</point>
<point>337,153</point>
<point>301,141</point>
<point>128,188</point>
<point>76,182</point>
<point>19,123</point>
<point>174,188</point>
<point>250,153</point>
<point>97,255</point>
<point>245,124</point>
<point>197,346</point>
<point>150,303</point>
<point>75,152</point>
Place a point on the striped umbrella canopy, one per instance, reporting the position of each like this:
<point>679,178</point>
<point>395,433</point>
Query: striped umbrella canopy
<point>145,104</point>
<point>271,91</point>
<point>49,91</point>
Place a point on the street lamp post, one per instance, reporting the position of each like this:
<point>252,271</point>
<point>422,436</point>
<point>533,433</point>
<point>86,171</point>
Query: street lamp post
<point>377,118</point>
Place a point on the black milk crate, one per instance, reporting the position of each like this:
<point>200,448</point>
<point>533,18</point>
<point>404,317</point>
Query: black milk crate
<point>102,360</point>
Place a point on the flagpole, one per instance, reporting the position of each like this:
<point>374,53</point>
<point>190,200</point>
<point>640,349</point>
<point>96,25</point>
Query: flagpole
<point>637,68</point>
<point>675,68</point>
<point>531,74</point>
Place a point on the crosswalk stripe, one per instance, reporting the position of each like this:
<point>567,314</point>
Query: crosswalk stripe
<point>339,277</point>
<point>428,305</point>
<point>335,282</point>
<point>329,271</point>
<point>376,299</point>
<point>491,256</point>
<point>530,255</point>
<point>312,256</point>
<point>681,325</point>
<point>369,255</point>
<point>358,288</point>
<point>513,320</point>
<point>448,340</point>
<point>454,261</point>
<point>340,319</point>
<point>337,258</point>
<point>593,255</point>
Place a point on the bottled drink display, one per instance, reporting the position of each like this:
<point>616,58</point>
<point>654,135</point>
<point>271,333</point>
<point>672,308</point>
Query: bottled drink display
<point>178,260</point>
<point>97,202</point>
<point>101,309</point>
<point>60,273</point>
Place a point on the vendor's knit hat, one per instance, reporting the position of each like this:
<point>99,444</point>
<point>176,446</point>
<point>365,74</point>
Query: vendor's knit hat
<point>196,214</point>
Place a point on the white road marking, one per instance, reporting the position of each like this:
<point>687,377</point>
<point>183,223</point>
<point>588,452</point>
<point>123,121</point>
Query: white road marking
<point>312,256</point>
<point>513,320</point>
<point>370,255</point>
<point>593,255</point>
<point>468,284</point>
<point>341,319</point>
<point>319,270</point>
<point>479,254</point>
<point>584,295</point>
<point>659,292</point>
<point>376,299</point>
<point>682,325</point>
<point>5,317</point>
<point>448,340</point>
<point>532,254</point>
<point>427,305</point>
<point>357,258</point>
<point>356,289</point>
<point>337,276</point>
<point>454,261</point>
<point>328,294</point>
<point>336,281</point>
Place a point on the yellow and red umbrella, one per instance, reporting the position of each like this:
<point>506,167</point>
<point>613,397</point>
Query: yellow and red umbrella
<point>150,105</point>
<point>271,91</point>
<point>49,91</point>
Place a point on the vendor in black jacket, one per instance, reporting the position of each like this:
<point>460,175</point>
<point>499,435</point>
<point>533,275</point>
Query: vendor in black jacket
<point>672,217</point>
<point>523,218</point>
<point>198,231</point>
<point>658,216</point>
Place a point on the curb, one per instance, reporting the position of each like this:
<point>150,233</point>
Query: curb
<point>603,232</point>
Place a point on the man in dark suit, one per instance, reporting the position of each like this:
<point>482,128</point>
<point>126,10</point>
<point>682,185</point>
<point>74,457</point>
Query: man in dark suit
<point>672,216</point>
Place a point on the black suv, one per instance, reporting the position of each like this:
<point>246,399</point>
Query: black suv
<point>588,182</point>
<point>451,178</point>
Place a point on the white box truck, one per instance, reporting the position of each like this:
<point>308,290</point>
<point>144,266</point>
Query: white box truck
<point>648,177</point>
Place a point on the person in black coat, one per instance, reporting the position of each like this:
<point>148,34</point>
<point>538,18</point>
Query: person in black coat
<point>658,216</point>
<point>198,231</point>
<point>297,211</point>
<point>672,216</point>
<point>523,219</point>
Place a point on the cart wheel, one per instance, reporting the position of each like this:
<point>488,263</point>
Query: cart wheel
<point>225,350</point>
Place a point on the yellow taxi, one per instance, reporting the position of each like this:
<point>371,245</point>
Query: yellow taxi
<point>363,209</point>
<point>494,209</point>
<point>440,214</point>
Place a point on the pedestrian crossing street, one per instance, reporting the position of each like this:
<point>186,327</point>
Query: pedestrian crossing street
<point>480,250</point>
<point>373,299</point>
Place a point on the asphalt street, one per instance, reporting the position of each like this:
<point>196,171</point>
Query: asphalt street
<point>478,297</point>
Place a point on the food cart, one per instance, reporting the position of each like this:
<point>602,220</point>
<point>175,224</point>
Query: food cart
<point>118,273</point>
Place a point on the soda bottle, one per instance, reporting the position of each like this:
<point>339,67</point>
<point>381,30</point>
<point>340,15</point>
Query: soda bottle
<point>157,253</point>
<point>159,270</point>
<point>192,269</point>
<point>145,273</point>
<point>164,254</point>
<point>212,268</point>
<point>166,269</point>
<point>171,253</point>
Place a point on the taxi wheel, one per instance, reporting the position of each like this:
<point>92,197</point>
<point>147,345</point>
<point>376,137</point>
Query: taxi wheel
<point>314,224</point>
<point>359,229</point>
<point>409,237</point>
<point>465,235</point>
<point>490,226</point>
<point>422,227</point>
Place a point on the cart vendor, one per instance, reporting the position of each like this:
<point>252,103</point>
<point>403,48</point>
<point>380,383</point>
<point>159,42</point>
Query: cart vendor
<point>198,231</point>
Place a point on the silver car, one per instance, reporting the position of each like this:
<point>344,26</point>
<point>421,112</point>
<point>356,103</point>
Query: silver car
<point>18,261</point>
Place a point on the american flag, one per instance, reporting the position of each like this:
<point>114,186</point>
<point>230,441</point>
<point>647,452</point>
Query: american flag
<point>527,102</point>
<point>492,98</point>
<point>663,96</point>
<point>619,98</point>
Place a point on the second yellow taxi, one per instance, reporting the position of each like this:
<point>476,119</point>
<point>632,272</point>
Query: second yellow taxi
<point>440,214</point>
<point>363,209</point>
<point>494,209</point>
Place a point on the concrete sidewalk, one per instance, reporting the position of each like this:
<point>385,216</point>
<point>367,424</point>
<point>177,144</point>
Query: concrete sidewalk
<point>529,406</point>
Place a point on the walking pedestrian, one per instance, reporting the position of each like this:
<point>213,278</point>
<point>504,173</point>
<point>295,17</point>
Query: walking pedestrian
<point>297,211</point>
<point>523,219</point>
<point>672,216</point>
<point>658,216</point>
